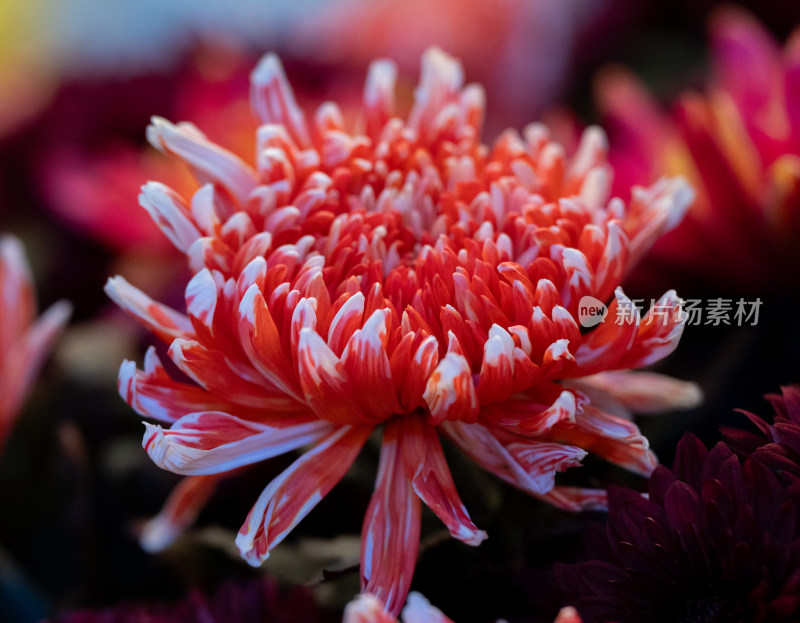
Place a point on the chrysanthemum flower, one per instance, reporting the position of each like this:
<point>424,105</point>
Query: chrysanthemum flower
<point>406,278</point>
<point>25,340</point>
<point>738,143</point>
<point>368,609</point>
<point>718,540</point>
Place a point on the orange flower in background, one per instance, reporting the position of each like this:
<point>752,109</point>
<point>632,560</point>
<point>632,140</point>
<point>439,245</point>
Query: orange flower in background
<point>739,145</point>
<point>25,341</point>
<point>402,277</point>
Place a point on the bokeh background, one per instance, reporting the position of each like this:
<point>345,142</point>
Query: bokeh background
<point>79,80</point>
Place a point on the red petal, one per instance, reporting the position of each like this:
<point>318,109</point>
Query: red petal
<point>179,512</point>
<point>292,495</point>
<point>212,442</point>
<point>426,468</point>
<point>390,536</point>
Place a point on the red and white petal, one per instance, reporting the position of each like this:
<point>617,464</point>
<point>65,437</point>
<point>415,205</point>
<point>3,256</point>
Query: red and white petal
<point>23,360</point>
<point>450,393</point>
<point>261,342</point>
<point>611,267</point>
<point>390,535</point>
<point>542,460</point>
<point>292,495</point>
<point>211,253</point>
<point>580,278</point>
<point>379,95</point>
<point>535,412</point>
<point>170,212</point>
<point>273,101</point>
<point>487,450</point>
<point>324,381</point>
<point>427,470</point>
<point>605,345</point>
<point>202,294</point>
<point>655,210</point>
<point>165,322</point>
<point>413,377</point>
<point>420,610</point>
<point>208,161</point>
<point>615,439</point>
<point>367,608</point>
<point>558,361</point>
<point>439,84</point>
<point>577,499</point>
<point>639,392</point>
<point>568,615</point>
<point>497,370</point>
<point>213,371</point>
<point>17,301</point>
<point>212,442</point>
<point>179,512</point>
<point>367,365</point>
<point>659,333</point>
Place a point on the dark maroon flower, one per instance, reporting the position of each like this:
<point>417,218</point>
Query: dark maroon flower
<point>718,541</point>
<point>257,602</point>
<point>776,445</point>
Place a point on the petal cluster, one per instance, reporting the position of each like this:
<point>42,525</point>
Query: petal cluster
<point>25,340</point>
<point>401,275</point>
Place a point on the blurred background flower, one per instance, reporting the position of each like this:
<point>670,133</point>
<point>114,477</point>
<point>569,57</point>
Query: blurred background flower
<point>738,142</point>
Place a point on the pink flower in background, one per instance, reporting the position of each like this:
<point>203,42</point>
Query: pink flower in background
<point>25,341</point>
<point>403,277</point>
<point>739,145</point>
<point>94,187</point>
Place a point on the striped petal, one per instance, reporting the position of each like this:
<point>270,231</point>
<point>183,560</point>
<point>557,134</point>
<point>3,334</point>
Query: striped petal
<point>261,342</point>
<point>300,487</point>
<point>617,440</point>
<point>169,211</point>
<point>165,322</point>
<point>154,394</point>
<point>21,363</point>
<point>179,512</point>
<point>511,462</point>
<point>213,371</point>
<point>17,299</point>
<point>390,536</point>
<point>273,100</point>
<point>639,392</point>
<point>426,468</point>
<point>367,608</point>
<point>659,333</point>
<point>212,442</point>
<point>450,393</point>
<point>208,161</point>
